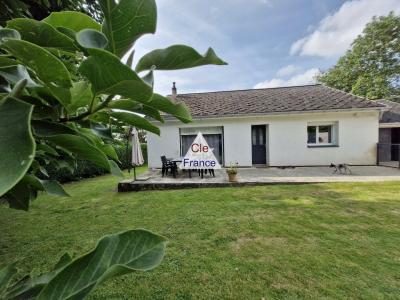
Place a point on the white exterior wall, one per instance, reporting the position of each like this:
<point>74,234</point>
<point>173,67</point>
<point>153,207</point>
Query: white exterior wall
<point>286,139</point>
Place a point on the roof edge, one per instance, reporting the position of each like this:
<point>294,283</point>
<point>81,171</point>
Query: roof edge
<point>300,112</point>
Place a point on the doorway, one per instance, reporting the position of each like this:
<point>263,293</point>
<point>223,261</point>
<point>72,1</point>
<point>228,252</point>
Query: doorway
<point>259,144</point>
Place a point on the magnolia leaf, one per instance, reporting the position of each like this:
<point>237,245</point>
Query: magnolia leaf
<point>129,61</point>
<point>135,120</point>
<point>20,196</point>
<point>29,288</point>
<point>150,112</point>
<point>164,104</point>
<point>73,20</point>
<point>115,170</point>
<point>13,74</point>
<point>45,128</point>
<point>6,274</point>
<point>47,149</point>
<point>42,34</point>
<point>109,150</point>
<point>116,254</point>
<point>33,181</point>
<point>177,57</point>
<point>17,146</point>
<point>89,38</point>
<point>47,67</point>
<point>133,106</point>
<point>101,130</point>
<point>82,148</point>
<point>54,188</point>
<point>123,81</point>
<point>149,78</point>
<point>6,62</point>
<point>7,33</point>
<point>81,95</point>
<point>125,104</point>
<point>90,136</point>
<point>127,21</point>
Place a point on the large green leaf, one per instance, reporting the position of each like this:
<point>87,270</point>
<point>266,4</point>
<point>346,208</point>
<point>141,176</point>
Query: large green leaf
<point>47,149</point>
<point>13,74</point>
<point>89,38</point>
<point>109,75</point>
<point>126,21</point>
<point>115,170</point>
<point>81,147</point>
<point>151,112</point>
<point>17,146</point>
<point>101,130</point>
<point>114,255</point>
<point>177,57</point>
<point>20,196</point>
<point>7,33</point>
<point>54,188</point>
<point>47,128</point>
<point>42,34</point>
<point>6,274</point>
<point>6,62</point>
<point>133,106</point>
<point>164,104</point>
<point>47,67</point>
<point>73,20</point>
<point>29,288</point>
<point>135,120</point>
<point>81,95</point>
<point>125,104</point>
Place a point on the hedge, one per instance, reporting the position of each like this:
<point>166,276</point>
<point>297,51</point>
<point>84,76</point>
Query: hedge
<point>86,169</point>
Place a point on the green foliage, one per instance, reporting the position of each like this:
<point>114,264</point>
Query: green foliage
<point>15,114</point>
<point>371,68</point>
<point>67,93</point>
<point>40,9</point>
<point>80,276</point>
<point>177,57</point>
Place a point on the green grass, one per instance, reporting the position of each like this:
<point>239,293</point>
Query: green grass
<point>273,242</point>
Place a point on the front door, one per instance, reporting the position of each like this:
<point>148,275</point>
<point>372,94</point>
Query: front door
<point>258,141</point>
<point>395,143</point>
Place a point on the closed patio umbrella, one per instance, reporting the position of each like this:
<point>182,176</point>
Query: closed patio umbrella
<point>137,156</point>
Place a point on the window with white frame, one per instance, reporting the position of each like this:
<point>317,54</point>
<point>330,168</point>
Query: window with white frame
<point>322,134</point>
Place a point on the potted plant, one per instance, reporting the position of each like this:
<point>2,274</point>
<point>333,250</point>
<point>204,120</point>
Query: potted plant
<point>232,172</point>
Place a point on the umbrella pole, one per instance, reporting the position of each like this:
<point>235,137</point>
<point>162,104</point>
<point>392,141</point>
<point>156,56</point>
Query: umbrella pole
<point>134,173</point>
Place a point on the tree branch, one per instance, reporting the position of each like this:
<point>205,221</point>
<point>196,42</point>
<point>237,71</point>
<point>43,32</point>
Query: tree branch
<point>89,112</point>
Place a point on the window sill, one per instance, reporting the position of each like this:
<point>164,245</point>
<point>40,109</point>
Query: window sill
<point>322,146</point>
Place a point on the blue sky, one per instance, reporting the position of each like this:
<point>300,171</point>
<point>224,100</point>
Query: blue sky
<point>266,43</point>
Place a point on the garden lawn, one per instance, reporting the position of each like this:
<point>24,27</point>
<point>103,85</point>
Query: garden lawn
<point>283,241</point>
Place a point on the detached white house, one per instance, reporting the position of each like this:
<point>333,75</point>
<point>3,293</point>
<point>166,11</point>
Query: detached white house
<point>288,126</point>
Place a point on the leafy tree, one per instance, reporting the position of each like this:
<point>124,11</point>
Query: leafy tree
<point>371,68</point>
<point>40,9</point>
<point>64,88</point>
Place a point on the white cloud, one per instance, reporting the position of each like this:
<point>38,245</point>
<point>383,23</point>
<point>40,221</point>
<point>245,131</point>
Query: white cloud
<point>335,33</point>
<point>307,77</point>
<point>287,71</point>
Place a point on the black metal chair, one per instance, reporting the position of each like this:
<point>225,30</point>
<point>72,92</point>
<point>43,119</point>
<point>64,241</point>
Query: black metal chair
<point>168,165</point>
<point>204,171</point>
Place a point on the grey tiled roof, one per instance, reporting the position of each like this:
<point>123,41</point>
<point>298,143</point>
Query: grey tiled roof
<point>272,100</point>
<point>392,115</point>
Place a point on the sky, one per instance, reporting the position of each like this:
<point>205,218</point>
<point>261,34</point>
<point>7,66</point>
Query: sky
<point>266,43</point>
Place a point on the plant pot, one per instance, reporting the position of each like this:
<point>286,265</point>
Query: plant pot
<point>232,177</point>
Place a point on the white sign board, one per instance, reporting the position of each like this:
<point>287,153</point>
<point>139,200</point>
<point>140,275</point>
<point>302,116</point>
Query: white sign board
<point>199,156</point>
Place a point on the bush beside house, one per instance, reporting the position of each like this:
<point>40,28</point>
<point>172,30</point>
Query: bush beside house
<point>86,169</point>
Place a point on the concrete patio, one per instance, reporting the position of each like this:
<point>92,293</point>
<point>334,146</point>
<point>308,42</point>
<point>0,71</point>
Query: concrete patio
<point>152,180</point>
